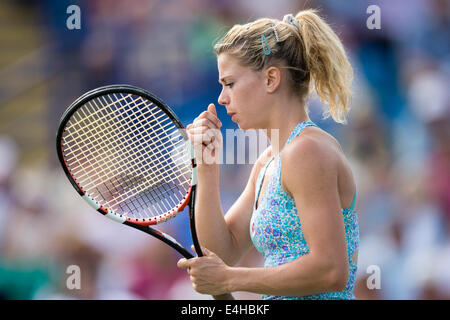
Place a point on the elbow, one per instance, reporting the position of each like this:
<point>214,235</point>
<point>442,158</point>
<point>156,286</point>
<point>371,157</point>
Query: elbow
<point>337,277</point>
<point>333,273</point>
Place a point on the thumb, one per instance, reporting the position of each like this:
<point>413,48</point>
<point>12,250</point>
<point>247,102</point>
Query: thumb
<point>212,109</point>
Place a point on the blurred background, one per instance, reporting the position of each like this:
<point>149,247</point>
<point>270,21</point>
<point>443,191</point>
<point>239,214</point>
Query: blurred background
<point>397,138</point>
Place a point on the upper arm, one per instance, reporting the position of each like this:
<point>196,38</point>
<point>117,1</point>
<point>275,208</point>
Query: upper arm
<point>238,216</point>
<point>309,175</point>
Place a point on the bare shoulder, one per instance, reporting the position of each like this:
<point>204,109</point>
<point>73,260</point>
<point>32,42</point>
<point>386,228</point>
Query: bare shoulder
<point>316,160</point>
<point>312,147</point>
<point>313,156</point>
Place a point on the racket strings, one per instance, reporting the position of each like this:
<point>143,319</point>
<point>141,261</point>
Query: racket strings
<point>128,155</point>
<point>143,200</point>
<point>83,132</point>
<point>123,199</point>
<point>108,152</point>
<point>174,172</point>
<point>154,141</point>
<point>166,148</point>
<point>103,108</point>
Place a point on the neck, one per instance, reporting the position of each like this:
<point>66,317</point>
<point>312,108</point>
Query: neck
<point>288,116</point>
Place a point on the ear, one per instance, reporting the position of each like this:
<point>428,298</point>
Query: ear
<point>272,79</point>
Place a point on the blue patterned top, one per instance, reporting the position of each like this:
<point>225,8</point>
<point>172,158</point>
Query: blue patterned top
<point>276,230</point>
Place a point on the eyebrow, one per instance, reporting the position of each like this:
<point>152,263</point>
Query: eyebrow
<point>223,79</point>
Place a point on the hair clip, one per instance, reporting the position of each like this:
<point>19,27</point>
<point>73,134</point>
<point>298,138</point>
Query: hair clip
<point>289,18</point>
<point>276,33</point>
<point>265,45</point>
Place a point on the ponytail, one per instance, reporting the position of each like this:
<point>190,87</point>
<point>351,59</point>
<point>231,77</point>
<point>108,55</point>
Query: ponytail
<point>325,58</point>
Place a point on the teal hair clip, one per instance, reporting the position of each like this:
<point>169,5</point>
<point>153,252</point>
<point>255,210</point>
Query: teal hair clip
<point>265,45</point>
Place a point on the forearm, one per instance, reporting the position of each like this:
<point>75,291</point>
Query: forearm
<point>212,229</point>
<point>303,276</point>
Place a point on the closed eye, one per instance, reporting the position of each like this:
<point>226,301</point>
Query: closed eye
<point>230,85</point>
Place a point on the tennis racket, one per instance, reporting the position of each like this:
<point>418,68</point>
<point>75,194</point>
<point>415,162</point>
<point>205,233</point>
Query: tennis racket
<point>128,156</point>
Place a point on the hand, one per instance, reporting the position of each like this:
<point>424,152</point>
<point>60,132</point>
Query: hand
<point>204,133</point>
<point>209,274</point>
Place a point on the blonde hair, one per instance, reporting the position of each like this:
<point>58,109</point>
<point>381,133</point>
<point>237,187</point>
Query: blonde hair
<point>310,50</point>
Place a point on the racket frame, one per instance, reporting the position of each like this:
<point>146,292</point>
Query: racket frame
<point>140,224</point>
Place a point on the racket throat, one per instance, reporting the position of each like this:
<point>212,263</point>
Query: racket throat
<point>164,237</point>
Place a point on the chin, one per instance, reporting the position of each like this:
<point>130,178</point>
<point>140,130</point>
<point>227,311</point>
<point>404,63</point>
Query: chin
<point>243,126</point>
<point>246,126</point>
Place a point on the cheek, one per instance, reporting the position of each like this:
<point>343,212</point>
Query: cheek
<point>255,102</point>
<point>250,96</point>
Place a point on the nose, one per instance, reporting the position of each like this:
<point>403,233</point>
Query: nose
<point>223,98</point>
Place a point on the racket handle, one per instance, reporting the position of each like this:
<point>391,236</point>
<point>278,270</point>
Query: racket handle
<point>198,250</point>
<point>225,296</point>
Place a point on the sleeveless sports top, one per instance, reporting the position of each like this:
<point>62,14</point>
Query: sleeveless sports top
<point>276,230</point>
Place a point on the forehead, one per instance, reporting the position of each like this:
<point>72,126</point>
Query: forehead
<point>229,65</point>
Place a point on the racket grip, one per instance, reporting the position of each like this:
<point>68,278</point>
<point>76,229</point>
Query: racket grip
<point>198,249</point>
<point>225,296</point>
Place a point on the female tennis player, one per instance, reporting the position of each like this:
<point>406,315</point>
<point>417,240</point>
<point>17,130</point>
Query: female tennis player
<point>298,208</point>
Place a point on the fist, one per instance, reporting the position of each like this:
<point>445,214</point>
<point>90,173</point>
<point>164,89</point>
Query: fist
<point>204,133</point>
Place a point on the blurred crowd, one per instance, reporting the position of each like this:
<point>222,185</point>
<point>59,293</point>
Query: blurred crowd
<point>397,140</point>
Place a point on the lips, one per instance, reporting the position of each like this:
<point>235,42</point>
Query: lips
<point>232,115</point>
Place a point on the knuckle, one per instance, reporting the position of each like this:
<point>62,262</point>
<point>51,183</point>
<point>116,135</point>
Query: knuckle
<point>205,121</point>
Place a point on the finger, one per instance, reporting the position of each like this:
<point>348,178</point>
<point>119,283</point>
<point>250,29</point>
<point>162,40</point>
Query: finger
<point>200,135</point>
<point>203,129</point>
<point>183,263</point>
<point>212,109</point>
<point>204,134</point>
<point>188,130</point>
<point>208,123</point>
<point>199,139</point>
<point>217,141</point>
<point>210,147</point>
<point>211,116</point>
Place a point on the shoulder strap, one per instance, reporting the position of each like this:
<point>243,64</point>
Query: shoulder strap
<point>298,129</point>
